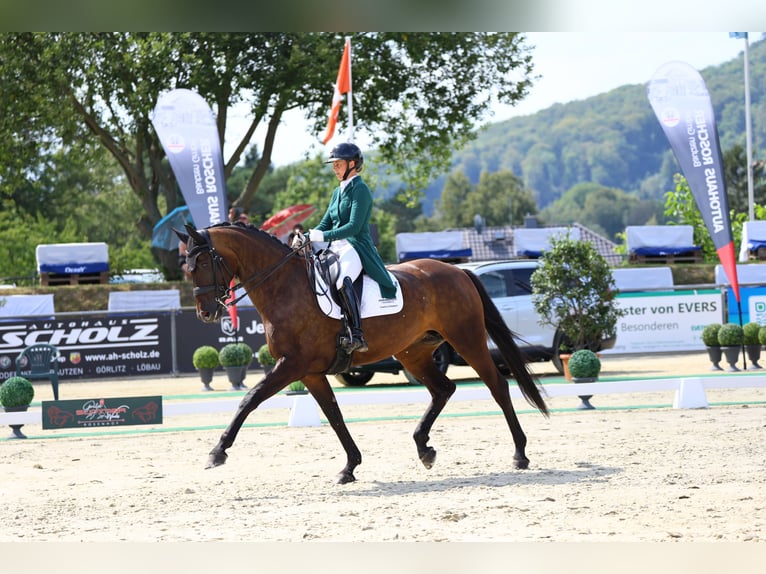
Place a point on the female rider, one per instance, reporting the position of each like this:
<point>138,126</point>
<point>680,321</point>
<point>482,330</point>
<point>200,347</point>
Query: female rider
<point>346,225</point>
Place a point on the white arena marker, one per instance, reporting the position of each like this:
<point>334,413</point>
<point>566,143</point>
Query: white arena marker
<point>304,412</point>
<point>690,395</point>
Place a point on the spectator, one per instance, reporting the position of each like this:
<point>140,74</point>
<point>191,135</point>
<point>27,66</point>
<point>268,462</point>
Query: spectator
<point>237,214</point>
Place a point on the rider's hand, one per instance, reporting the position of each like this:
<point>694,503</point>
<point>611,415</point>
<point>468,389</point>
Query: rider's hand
<point>316,235</point>
<point>299,240</point>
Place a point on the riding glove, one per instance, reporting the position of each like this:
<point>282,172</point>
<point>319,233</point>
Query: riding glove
<point>316,235</point>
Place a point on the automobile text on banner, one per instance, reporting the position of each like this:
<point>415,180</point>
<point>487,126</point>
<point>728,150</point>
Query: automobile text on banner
<point>681,102</point>
<point>187,130</point>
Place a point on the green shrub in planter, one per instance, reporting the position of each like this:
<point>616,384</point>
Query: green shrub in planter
<point>296,386</point>
<point>762,335</point>
<point>710,335</point>
<point>16,392</point>
<point>264,356</point>
<point>205,357</point>
<point>751,333</point>
<point>247,354</point>
<point>731,335</point>
<point>236,355</point>
<point>229,355</point>
<point>584,364</point>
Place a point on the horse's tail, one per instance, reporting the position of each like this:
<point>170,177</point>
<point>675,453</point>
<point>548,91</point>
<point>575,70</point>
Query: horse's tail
<point>509,350</point>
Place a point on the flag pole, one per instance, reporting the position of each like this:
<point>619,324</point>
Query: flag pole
<point>750,199</point>
<point>748,131</point>
<point>348,96</point>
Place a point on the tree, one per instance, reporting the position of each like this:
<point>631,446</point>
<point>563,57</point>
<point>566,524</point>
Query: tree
<point>574,291</point>
<point>681,207</point>
<point>735,174</point>
<point>416,94</point>
<point>72,198</point>
<point>450,206</point>
<point>500,198</point>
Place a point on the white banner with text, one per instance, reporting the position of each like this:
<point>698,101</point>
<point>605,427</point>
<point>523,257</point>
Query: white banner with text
<point>666,321</point>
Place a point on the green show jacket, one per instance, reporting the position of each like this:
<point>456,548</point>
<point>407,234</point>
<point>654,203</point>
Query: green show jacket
<point>348,217</point>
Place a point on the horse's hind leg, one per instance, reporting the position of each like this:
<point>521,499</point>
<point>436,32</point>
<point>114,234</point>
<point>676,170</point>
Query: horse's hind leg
<point>322,392</point>
<point>481,361</point>
<point>419,362</point>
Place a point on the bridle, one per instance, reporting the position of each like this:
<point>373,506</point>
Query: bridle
<point>225,292</point>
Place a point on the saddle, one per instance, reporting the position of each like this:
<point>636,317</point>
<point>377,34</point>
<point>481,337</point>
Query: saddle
<point>324,270</point>
<point>327,266</point>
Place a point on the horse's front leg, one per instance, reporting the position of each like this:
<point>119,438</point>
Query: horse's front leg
<point>323,394</point>
<point>271,384</point>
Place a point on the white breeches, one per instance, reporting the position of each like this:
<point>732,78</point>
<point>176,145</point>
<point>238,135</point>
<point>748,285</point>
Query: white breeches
<point>350,264</point>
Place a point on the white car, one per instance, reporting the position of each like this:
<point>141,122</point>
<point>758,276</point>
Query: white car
<point>509,285</point>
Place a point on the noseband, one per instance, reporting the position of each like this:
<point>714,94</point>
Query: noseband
<point>224,293</point>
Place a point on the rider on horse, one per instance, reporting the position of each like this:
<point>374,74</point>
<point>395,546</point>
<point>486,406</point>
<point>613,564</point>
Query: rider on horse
<point>345,225</point>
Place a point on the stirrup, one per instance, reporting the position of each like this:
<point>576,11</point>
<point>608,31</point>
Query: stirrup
<point>355,342</point>
<point>359,343</point>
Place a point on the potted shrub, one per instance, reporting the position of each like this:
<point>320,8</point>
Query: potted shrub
<point>16,394</point>
<point>710,339</point>
<point>247,360</point>
<point>235,358</point>
<point>584,366</point>
<point>731,337</point>
<point>265,359</point>
<point>205,360</point>
<point>296,388</point>
<point>573,290</point>
<point>762,336</point>
<point>752,345</point>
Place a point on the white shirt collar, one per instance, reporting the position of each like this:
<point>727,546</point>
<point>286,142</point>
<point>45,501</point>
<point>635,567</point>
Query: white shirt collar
<point>345,182</point>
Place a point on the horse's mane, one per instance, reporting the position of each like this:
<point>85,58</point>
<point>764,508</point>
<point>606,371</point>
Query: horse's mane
<point>252,229</point>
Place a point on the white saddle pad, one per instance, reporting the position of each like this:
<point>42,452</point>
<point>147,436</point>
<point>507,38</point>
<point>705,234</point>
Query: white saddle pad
<point>372,304</point>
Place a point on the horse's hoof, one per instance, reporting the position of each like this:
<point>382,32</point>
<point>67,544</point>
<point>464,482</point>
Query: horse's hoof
<point>216,459</point>
<point>428,458</point>
<point>345,477</point>
<point>521,463</point>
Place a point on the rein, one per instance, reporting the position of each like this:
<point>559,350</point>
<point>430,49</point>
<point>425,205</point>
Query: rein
<point>219,262</point>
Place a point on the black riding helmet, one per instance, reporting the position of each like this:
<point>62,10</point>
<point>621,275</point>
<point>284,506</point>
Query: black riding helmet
<point>349,152</point>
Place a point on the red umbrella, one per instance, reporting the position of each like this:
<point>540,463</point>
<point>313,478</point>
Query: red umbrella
<point>283,221</point>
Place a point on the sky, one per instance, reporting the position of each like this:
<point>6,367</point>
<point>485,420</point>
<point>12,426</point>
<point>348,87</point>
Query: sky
<point>572,65</point>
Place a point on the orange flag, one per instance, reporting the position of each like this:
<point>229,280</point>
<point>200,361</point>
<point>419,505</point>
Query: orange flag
<point>342,86</point>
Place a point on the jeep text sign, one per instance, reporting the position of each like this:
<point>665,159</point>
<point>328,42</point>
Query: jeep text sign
<point>89,413</point>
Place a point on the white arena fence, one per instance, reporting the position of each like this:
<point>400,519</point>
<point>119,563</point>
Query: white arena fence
<point>689,393</point>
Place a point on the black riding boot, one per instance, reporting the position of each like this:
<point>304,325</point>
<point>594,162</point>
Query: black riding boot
<point>353,317</point>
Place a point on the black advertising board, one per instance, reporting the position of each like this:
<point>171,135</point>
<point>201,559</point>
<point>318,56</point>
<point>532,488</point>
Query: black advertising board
<point>125,344</point>
<point>94,346</point>
<point>192,333</point>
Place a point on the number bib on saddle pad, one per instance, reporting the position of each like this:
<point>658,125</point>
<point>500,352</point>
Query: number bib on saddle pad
<point>372,303</point>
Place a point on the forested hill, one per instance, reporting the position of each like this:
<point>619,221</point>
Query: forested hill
<point>612,139</point>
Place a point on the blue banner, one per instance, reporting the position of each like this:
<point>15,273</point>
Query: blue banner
<point>187,130</point>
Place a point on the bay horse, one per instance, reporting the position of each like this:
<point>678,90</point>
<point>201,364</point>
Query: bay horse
<point>441,303</point>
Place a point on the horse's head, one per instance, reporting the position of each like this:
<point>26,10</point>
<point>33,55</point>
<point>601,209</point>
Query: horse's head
<point>209,272</point>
